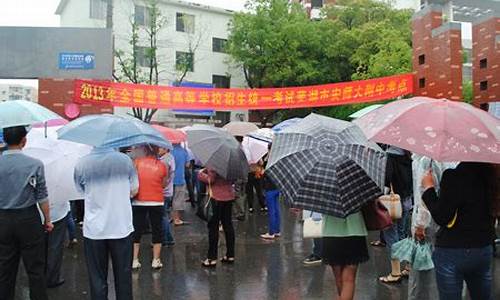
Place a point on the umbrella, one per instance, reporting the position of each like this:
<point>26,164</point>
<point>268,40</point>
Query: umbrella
<point>112,131</point>
<point>219,150</point>
<point>173,135</point>
<point>51,123</point>
<point>438,128</point>
<point>287,123</point>
<point>254,149</point>
<point>365,110</point>
<point>59,158</point>
<point>240,128</point>
<point>262,134</point>
<point>22,112</point>
<point>326,165</point>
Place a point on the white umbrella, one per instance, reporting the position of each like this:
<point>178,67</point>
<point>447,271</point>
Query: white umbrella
<point>365,110</point>
<point>59,158</point>
<point>254,149</point>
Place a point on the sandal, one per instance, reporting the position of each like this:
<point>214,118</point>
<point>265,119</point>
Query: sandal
<point>227,260</point>
<point>377,244</point>
<point>390,279</point>
<point>209,263</point>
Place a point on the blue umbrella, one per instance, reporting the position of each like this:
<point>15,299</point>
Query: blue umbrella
<point>111,131</point>
<point>22,112</point>
<point>287,123</point>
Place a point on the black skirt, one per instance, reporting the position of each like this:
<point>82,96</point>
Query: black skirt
<point>343,251</point>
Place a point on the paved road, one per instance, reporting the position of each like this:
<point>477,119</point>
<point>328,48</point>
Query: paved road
<point>264,270</point>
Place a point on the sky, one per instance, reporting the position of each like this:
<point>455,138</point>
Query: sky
<point>42,13</point>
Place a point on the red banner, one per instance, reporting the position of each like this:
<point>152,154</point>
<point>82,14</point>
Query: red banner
<point>150,96</point>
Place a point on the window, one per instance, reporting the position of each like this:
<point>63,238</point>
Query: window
<point>98,9</point>
<point>184,61</point>
<point>483,63</point>
<point>143,56</point>
<point>185,23</point>
<point>421,59</point>
<point>218,45</point>
<point>483,85</point>
<point>421,82</point>
<point>316,3</point>
<point>221,82</point>
<point>141,15</point>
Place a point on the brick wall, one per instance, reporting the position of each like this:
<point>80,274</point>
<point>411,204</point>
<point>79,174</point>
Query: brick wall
<point>486,60</point>
<point>437,55</point>
<point>54,94</point>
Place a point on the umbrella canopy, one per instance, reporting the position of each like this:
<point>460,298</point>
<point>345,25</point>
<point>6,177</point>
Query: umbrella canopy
<point>254,149</point>
<point>219,150</point>
<point>22,112</point>
<point>262,134</point>
<point>365,110</point>
<point>173,135</point>
<point>240,128</point>
<point>285,124</point>
<point>51,123</point>
<point>326,165</point>
<point>112,131</point>
<point>438,128</point>
<point>59,158</point>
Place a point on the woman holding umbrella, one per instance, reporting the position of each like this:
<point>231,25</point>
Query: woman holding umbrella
<point>222,197</point>
<point>153,179</point>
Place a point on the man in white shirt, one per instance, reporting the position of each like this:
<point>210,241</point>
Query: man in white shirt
<point>108,180</point>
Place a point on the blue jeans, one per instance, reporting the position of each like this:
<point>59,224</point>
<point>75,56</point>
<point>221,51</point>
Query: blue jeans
<point>456,265</point>
<point>70,223</point>
<point>397,231</point>
<point>273,206</point>
<point>318,247</point>
<point>167,228</point>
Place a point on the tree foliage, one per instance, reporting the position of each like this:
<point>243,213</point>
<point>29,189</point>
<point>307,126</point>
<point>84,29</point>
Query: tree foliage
<point>277,45</point>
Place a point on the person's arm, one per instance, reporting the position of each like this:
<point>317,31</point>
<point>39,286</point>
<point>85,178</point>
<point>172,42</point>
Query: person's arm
<point>444,206</point>
<point>41,196</point>
<point>206,176</point>
<point>165,172</point>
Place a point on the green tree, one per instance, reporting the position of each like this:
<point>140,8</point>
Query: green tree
<point>277,45</point>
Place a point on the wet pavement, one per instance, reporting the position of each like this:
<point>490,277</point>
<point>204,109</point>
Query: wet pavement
<point>263,270</point>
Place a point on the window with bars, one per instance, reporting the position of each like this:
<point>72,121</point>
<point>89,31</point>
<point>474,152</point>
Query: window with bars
<point>184,61</point>
<point>221,81</point>
<point>142,15</point>
<point>98,9</point>
<point>184,23</point>
<point>143,56</point>
<point>219,45</point>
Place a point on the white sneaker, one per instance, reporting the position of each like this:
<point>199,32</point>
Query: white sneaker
<point>156,264</point>
<point>267,236</point>
<point>136,264</point>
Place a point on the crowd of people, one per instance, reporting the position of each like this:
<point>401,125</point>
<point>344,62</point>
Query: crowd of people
<point>133,191</point>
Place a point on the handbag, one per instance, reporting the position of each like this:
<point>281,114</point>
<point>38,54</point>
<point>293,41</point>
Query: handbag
<point>205,210</point>
<point>313,227</point>
<point>376,216</point>
<point>393,204</point>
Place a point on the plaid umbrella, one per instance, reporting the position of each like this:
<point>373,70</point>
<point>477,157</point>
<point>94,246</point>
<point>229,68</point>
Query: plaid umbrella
<point>326,165</point>
<point>218,149</point>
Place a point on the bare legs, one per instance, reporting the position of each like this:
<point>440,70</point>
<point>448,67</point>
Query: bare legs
<point>345,280</point>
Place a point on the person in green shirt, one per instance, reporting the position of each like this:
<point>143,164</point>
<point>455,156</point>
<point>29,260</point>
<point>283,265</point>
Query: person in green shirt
<point>344,248</point>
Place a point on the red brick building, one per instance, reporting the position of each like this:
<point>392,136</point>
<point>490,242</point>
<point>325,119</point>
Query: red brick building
<point>57,94</point>
<point>437,55</point>
<point>486,59</point>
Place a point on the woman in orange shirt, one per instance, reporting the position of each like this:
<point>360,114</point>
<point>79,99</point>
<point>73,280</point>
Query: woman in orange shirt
<point>153,177</point>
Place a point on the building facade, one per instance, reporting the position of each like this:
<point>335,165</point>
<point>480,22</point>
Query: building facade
<point>18,92</point>
<point>192,33</point>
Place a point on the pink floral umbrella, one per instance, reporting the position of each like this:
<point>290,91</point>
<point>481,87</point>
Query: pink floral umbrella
<point>438,128</point>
